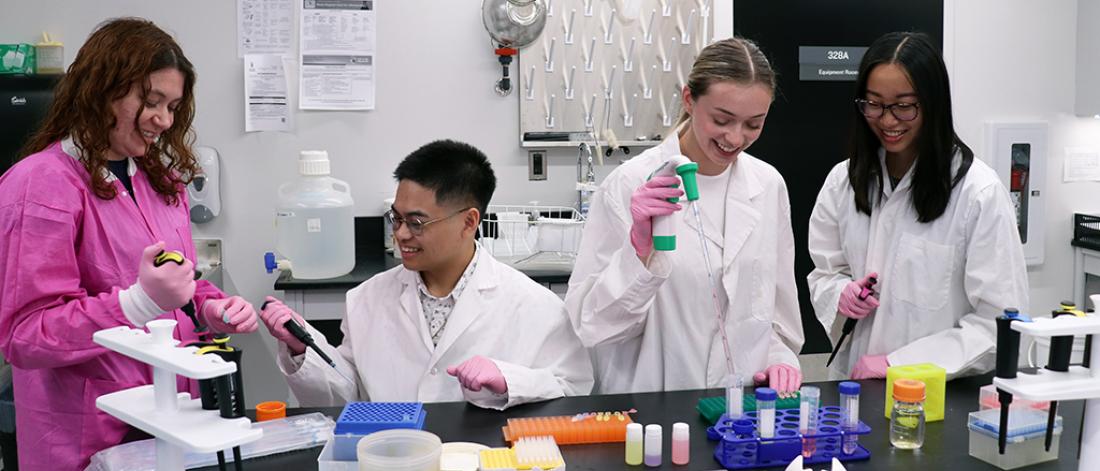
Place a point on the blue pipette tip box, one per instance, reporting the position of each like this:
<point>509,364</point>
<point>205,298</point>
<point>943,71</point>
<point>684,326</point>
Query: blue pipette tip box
<point>749,452</point>
<point>363,418</point>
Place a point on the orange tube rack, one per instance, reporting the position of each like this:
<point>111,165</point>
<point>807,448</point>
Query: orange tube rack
<point>597,427</point>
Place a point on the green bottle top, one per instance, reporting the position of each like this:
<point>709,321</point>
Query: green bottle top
<point>687,174</point>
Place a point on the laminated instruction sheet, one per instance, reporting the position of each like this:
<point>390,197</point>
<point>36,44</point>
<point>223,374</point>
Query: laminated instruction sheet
<point>337,48</point>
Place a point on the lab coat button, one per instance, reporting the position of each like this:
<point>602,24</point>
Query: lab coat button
<point>435,371</point>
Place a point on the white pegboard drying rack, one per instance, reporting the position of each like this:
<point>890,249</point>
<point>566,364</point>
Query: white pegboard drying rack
<point>616,67</point>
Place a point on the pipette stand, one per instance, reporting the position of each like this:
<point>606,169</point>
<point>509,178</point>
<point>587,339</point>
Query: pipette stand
<point>1077,383</point>
<point>177,422</point>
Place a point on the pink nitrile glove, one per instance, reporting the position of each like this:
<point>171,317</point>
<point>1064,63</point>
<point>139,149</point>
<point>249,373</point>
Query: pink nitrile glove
<point>478,372</point>
<point>781,377</point>
<point>274,315</point>
<point>649,200</point>
<point>232,315</point>
<point>857,300</point>
<point>170,285</point>
<point>870,367</point>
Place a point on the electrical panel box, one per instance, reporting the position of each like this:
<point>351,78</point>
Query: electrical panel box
<point>1018,152</point>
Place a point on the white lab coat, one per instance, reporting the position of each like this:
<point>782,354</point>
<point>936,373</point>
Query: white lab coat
<point>655,328</point>
<point>501,314</point>
<point>940,284</point>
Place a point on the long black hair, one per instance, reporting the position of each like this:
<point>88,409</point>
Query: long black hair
<point>936,140</point>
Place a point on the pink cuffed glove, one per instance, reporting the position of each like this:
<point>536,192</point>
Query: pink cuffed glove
<point>232,315</point>
<point>170,285</point>
<point>781,377</point>
<point>857,300</point>
<point>649,200</point>
<point>479,371</point>
<point>870,367</point>
<point>274,315</point>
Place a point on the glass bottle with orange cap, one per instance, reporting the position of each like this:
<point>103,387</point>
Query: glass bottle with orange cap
<point>907,417</point>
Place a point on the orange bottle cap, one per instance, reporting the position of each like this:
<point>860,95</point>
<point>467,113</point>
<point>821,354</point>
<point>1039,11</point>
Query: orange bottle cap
<point>908,390</point>
<point>270,410</point>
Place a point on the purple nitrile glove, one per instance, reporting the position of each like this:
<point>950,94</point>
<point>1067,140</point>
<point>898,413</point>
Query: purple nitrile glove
<point>232,315</point>
<point>649,200</point>
<point>870,367</point>
<point>478,372</point>
<point>856,300</point>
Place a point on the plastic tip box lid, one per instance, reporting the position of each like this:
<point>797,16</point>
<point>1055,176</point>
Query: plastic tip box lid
<point>361,418</point>
<point>1023,424</point>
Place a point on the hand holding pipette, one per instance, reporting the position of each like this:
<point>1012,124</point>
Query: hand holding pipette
<point>856,302</point>
<point>286,326</point>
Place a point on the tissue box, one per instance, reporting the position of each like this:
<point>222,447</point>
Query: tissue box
<point>17,59</point>
<point>935,386</point>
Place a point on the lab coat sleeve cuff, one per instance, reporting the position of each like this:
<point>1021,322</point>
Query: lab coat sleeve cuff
<point>137,306</point>
<point>289,363</point>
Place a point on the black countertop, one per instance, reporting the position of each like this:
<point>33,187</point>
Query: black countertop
<point>945,443</point>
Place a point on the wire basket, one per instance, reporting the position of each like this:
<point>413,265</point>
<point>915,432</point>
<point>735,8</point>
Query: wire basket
<point>1086,231</point>
<point>530,235</point>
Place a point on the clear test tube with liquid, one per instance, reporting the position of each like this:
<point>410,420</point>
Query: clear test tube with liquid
<point>849,405</point>
<point>765,412</point>
<point>735,396</point>
<point>807,418</point>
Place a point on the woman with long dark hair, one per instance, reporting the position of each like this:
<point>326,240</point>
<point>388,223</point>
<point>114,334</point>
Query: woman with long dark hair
<point>912,216</point>
<point>99,193</point>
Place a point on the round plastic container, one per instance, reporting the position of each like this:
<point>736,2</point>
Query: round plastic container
<point>399,450</point>
<point>315,221</point>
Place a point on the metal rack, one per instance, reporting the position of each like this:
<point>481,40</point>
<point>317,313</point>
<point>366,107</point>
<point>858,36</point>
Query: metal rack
<point>611,66</point>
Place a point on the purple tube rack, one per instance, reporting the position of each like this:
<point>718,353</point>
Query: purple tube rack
<point>740,450</point>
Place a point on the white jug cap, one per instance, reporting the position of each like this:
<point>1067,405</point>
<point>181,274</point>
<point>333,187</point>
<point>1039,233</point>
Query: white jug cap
<point>313,162</point>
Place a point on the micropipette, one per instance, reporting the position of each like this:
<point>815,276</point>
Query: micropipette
<point>850,324</point>
<point>303,336</point>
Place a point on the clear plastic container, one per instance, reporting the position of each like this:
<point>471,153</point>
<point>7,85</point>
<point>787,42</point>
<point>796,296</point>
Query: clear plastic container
<point>1025,440</point>
<point>399,450</point>
<point>315,221</point>
<point>907,417</point>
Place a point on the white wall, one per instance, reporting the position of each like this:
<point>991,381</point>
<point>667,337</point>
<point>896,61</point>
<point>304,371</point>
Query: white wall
<point>1016,60</point>
<point>1010,59</point>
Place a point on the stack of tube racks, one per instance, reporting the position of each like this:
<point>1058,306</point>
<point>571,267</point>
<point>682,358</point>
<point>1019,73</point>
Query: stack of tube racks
<point>741,447</point>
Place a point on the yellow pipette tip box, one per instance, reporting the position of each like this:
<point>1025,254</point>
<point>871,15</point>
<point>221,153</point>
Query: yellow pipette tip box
<point>935,386</point>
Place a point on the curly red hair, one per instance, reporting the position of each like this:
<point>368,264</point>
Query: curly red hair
<point>120,54</point>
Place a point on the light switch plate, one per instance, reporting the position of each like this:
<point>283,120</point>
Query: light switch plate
<point>536,165</point>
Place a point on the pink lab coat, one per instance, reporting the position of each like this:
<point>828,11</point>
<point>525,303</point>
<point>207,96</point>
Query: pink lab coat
<point>64,256</point>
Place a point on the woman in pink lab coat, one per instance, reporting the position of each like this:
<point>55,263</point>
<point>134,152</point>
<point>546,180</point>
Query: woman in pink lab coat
<point>99,195</point>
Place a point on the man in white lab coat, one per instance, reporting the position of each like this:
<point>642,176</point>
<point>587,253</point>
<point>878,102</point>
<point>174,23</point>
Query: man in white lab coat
<point>452,322</point>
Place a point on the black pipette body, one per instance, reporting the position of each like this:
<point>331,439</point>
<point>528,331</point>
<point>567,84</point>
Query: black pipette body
<point>850,324</point>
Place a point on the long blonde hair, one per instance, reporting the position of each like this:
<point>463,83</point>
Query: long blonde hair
<point>729,60</point>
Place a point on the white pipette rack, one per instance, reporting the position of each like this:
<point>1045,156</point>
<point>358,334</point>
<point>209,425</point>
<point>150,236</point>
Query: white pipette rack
<point>1077,383</point>
<point>176,421</point>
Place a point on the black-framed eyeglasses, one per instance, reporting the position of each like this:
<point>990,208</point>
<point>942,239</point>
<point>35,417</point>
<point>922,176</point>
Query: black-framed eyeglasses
<point>875,110</point>
<point>415,223</point>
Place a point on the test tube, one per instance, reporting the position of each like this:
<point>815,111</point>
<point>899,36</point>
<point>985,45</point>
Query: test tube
<point>634,444</point>
<point>735,399</point>
<point>849,404</point>
<point>653,445</point>
<point>807,418</point>
<point>680,439</point>
<point>765,412</point>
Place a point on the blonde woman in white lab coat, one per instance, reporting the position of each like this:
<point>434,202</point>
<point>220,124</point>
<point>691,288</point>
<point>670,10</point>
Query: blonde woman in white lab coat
<point>452,323</point>
<point>913,208</point>
<point>649,316</point>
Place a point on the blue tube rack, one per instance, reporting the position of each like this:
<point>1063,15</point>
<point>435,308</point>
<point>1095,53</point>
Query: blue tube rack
<point>740,447</point>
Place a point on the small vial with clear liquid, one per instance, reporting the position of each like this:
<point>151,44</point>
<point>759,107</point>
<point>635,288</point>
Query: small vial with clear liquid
<point>765,412</point>
<point>807,418</point>
<point>907,416</point>
<point>735,396</point>
<point>849,405</point>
